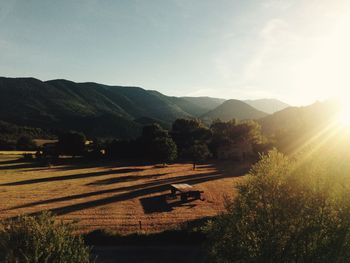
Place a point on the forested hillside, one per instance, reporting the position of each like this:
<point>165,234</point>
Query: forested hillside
<point>100,110</point>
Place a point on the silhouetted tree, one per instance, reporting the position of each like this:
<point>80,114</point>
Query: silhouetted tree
<point>198,152</point>
<point>124,149</point>
<point>156,144</point>
<point>233,132</point>
<point>7,145</point>
<point>71,143</point>
<point>186,132</point>
<point>25,143</point>
<point>164,150</point>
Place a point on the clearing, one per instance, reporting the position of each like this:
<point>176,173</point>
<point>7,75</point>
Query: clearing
<point>115,196</point>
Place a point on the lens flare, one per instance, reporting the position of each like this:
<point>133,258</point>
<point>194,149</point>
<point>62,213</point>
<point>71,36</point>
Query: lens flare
<point>344,114</point>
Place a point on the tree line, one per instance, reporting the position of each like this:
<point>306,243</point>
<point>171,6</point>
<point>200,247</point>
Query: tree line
<point>187,140</point>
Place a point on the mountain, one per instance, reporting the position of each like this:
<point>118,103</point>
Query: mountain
<point>95,109</point>
<point>231,109</point>
<point>44,108</point>
<point>267,105</point>
<point>295,126</point>
<point>204,104</point>
<point>183,104</point>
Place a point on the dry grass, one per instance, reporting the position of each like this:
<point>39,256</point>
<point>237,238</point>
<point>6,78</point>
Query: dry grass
<point>13,154</point>
<point>114,196</point>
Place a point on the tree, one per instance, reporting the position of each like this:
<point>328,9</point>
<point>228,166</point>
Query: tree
<point>198,152</point>
<point>157,145</point>
<point>149,132</point>
<point>40,239</point>
<point>71,143</point>
<point>164,150</point>
<point>25,143</point>
<point>234,132</point>
<point>186,132</point>
<point>287,210</point>
<point>7,144</point>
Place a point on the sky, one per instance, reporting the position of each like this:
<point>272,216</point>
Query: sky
<point>297,51</point>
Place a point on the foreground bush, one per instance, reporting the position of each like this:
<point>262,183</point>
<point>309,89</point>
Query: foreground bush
<point>40,239</point>
<point>287,211</point>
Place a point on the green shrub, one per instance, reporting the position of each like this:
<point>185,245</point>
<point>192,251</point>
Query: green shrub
<point>287,210</point>
<point>39,239</point>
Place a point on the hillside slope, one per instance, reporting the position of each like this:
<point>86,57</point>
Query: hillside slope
<point>95,109</point>
<point>233,109</point>
<point>267,105</point>
<point>205,104</point>
<point>294,126</point>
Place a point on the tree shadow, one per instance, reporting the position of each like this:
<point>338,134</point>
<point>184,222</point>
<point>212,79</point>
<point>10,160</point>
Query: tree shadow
<point>130,192</point>
<point>19,164</point>
<point>12,161</point>
<point>72,177</point>
<point>126,178</point>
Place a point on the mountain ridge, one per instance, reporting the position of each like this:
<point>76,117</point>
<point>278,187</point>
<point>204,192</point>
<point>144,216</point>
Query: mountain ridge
<point>233,109</point>
<point>97,109</point>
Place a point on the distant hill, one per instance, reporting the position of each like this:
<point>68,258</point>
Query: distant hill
<point>204,104</point>
<point>43,108</point>
<point>267,105</point>
<point>294,126</point>
<point>231,109</point>
<point>182,104</point>
<point>95,109</point>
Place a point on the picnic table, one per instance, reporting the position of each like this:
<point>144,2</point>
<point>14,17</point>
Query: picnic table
<point>185,191</point>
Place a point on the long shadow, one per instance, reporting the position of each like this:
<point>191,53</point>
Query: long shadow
<point>79,163</point>
<point>72,177</point>
<point>9,161</point>
<point>19,165</point>
<point>134,191</point>
<point>126,178</point>
<point>130,195</point>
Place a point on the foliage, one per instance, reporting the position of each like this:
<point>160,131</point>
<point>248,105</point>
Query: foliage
<point>198,152</point>
<point>40,239</point>
<point>186,132</point>
<point>71,143</point>
<point>25,143</point>
<point>154,144</point>
<point>157,145</point>
<point>12,132</point>
<point>288,210</point>
<point>164,149</point>
<point>234,132</point>
<point>7,144</point>
<point>123,149</point>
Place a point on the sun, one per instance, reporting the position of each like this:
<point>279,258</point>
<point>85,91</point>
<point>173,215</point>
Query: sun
<point>344,114</point>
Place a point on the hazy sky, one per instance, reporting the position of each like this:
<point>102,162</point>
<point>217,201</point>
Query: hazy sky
<point>294,50</point>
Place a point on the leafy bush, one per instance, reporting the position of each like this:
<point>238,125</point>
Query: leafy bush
<point>288,210</point>
<point>40,239</point>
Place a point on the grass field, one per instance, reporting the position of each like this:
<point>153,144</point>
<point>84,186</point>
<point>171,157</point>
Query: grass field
<point>112,195</point>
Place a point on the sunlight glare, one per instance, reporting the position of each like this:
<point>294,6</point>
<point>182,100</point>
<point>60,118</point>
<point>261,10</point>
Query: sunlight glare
<point>344,114</point>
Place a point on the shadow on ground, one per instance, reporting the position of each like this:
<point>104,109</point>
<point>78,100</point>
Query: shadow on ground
<point>130,192</point>
<point>163,203</point>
